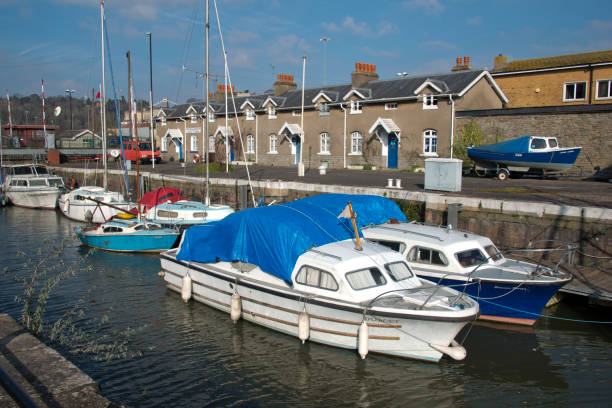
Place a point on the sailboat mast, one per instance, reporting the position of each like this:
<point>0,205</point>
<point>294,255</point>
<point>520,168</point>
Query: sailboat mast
<point>206,142</point>
<point>134,131</point>
<point>103,104</point>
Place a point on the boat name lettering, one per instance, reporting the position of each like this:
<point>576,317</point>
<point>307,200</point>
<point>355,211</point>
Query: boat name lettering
<point>374,319</point>
<point>510,288</point>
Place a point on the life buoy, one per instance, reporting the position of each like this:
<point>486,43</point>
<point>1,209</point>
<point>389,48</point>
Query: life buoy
<point>196,158</point>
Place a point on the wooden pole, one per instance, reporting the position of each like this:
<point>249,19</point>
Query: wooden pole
<point>358,242</point>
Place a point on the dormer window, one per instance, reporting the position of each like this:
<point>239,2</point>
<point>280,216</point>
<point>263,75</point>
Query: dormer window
<point>250,114</point>
<point>271,112</point>
<point>356,107</point>
<point>296,113</point>
<point>194,119</point>
<point>430,102</point>
<point>211,117</point>
<point>391,106</point>
<point>163,121</point>
<point>323,109</point>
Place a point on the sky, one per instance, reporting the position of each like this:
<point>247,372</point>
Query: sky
<point>60,41</point>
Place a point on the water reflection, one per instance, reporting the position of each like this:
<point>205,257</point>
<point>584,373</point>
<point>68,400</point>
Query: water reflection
<point>193,355</point>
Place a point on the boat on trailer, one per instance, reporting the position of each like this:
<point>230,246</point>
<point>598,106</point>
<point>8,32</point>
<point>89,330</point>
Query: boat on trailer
<point>299,269</point>
<point>527,154</point>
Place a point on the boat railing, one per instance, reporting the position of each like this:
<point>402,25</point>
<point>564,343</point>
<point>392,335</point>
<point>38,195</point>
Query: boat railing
<point>433,288</point>
<point>559,256</point>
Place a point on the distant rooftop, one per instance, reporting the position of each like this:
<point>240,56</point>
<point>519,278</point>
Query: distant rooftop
<point>559,61</point>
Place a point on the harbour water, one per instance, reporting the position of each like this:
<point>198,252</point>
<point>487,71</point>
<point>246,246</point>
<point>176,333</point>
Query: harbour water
<point>190,355</point>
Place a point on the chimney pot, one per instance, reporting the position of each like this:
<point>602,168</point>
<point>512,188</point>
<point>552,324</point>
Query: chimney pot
<point>466,61</point>
<point>458,61</point>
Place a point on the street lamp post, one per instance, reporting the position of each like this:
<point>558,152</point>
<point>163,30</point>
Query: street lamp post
<point>325,40</point>
<point>70,92</point>
<point>151,97</point>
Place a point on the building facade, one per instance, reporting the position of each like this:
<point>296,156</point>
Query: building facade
<point>392,123</point>
<point>576,79</point>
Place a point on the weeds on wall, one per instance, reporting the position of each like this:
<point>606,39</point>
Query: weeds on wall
<point>412,211</point>
<point>473,135</point>
<point>76,330</point>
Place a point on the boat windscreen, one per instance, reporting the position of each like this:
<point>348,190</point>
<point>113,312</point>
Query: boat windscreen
<point>493,253</point>
<point>470,257</point>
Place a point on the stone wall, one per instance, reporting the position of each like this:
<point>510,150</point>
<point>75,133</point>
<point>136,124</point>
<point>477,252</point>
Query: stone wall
<point>591,130</point>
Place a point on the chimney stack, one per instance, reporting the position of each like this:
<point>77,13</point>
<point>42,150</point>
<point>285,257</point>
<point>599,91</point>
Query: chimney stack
<point>284,83</point>
<point>221,91</point>
<point>462,67</point>
<point>500,62</point>
<point>363,74</point>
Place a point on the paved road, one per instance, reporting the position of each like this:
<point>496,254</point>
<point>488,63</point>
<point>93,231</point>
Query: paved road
<point>561,191</point>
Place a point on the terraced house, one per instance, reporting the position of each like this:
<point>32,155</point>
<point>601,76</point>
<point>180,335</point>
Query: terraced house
<point>383,123</point>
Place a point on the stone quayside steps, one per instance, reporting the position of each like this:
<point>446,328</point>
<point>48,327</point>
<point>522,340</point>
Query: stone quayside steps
<point>42,373</point>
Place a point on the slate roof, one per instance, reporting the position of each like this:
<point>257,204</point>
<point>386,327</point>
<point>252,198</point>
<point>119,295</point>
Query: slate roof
<point>558,61</point>
<point>373,91</point>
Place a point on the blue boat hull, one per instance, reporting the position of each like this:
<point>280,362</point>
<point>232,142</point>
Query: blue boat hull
<point>557,160</point>
<point>520,303</point>
<point>129,242</point>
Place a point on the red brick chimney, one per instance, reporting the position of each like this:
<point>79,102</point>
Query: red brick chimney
<point>283,84</point>
<point>363,74</point>
<point>221,91</point>
<point>462,67</point>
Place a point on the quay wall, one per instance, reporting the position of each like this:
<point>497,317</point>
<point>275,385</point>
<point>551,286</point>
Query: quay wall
<point>510,224</point>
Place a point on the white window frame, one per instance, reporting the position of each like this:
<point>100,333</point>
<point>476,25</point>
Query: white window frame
<point>391,106</point>
<point>194,143</point>
<point>194,119</point>
<point>211,117</point>
<point>296,113</point>
<point>609,96</point>
<point>566,85</point>
<point>430,102</point>
<point>273,144</point>
<point>271,112</point>
<point>164,144</point>
<point>249,113</point>
<point>250,144</point>
<point>430,142</point>
<point>163,121</point>
<point>324,144</point>
<point>356,107</point>
<point>211,144</point>
<point>356,144</point>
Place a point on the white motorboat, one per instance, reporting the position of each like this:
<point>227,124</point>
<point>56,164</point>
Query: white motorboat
<point>31,186</point>
<point>93,204</point>
<point>294,268</point>
<point>508,290</point>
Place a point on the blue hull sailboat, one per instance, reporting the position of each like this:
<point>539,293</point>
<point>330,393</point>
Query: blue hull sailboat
<point>128,236</point>
<point>534,154</point>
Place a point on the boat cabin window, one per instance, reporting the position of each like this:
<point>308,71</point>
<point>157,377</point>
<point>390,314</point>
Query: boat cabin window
<point>56,182</point>
<point>20,183</point>
<point>493,253</point>
<point>112,228</point>
<point>167,214</point>
<point>471,257</point>
<point>316,278</point>
<point>38,182</point>
<point>398,271</point>
<point>41,170</point>
<point>427,256</point>
<point>552,143</point>
<point>538,143</point>
<point>366,278</point>
<point>394,245</point>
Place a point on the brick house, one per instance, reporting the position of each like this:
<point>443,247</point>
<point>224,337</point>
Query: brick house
<point>564,80</point>
<point>390,123</point>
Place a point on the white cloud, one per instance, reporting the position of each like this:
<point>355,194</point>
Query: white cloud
<point>288,49</point>
<point>330,27</point>
<point>474,21</point>
<point>241,36</point>
<point>355,27</point>
<point>430,6</point>
<point>387,28</point>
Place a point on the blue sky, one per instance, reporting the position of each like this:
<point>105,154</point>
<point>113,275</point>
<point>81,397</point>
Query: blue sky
<point>59,40</point>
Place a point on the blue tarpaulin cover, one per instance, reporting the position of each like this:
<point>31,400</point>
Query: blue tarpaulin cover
<point>274,237</point>
<point>518,145</point>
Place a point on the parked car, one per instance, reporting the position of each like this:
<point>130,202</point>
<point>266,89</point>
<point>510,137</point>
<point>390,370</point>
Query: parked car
<point>141,152</point>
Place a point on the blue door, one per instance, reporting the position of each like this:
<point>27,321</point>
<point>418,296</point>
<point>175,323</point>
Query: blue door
<point>392,157</point>
<point>231,151</point>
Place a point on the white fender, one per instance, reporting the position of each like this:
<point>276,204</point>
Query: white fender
<point>186,288</point>
<point>303,326</point>
<point>363,340</point>
<point>454,351</point>
<point>66,206</point>
<point>235,307</point>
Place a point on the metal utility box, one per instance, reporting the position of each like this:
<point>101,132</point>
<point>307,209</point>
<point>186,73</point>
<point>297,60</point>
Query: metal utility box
<point>443,174</point>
